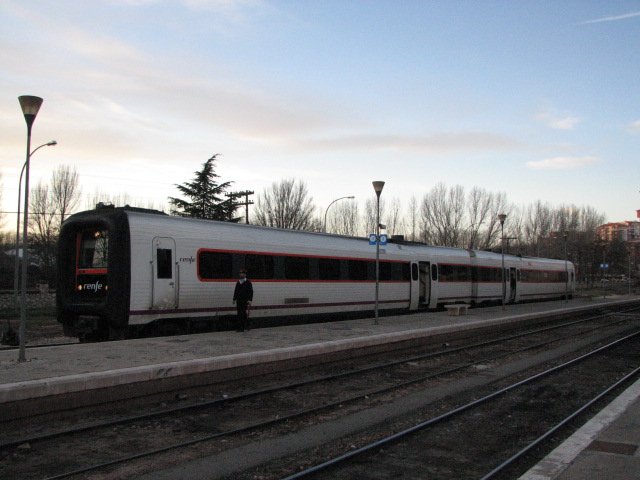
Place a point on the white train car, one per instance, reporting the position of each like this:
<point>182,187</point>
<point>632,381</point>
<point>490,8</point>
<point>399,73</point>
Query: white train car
<point>128,270</point>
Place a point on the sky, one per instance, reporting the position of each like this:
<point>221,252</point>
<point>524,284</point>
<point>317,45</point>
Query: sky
<point>535,99</point>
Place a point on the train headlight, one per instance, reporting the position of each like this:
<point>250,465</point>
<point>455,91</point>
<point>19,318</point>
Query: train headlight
<point>79,287</point>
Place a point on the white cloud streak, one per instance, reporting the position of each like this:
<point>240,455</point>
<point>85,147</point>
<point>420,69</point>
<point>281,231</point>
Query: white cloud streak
<point>563,163</point>
<point>612,18</point>
<point>557,122</point>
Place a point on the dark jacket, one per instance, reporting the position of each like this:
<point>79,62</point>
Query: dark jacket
<point>243,292</point>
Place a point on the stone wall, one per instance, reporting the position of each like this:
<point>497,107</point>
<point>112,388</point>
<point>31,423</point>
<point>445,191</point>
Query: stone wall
<point>35,299</point>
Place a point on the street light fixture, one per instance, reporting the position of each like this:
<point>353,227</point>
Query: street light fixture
<point>377,186</point>
<point>502,217</point>
<point>16,273</point>
<point>30,106</point>
<point>565,235</point>
<point>324,226</point>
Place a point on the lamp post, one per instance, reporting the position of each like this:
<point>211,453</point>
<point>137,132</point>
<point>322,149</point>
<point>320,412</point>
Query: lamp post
<point>324,226</point>
<point>502,217</point>
<point>16,273</point>
<point>565,235</point>
<point>30,106</point>
<point>377,186</point>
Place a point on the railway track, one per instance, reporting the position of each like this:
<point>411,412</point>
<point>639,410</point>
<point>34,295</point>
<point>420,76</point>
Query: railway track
<point>426,448</point>
<point>237,418</point>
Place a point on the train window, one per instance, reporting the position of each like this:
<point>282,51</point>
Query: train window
<point>94,246</point>
<point>296,268</point>
<point>214,265</point>
<point>414,272</point>
<point>260,266</point>
<point>401,272</point>
<point>543,276</point>
<point>358,270</point>
<point>488,274</point>
<point>385,271</point>
<point>163,256</point>
<point>454,273</point>
<point>434,273</point>
<point>329,268</point>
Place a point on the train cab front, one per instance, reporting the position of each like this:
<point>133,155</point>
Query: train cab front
<point>87,305</point>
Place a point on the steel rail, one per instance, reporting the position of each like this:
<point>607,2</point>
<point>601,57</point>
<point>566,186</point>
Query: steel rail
<point>560,424</point>
<point>380,443</point>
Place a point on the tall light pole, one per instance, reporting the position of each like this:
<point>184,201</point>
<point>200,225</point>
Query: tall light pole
<point>324,226</point>
<point>502,217</point>
<point>377,186</point>
<point>565,235</point>
<point>16,272</point>
<point>30,106</point>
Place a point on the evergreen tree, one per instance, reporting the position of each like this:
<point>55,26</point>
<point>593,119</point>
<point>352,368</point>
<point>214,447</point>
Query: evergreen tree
<point>206,197</point>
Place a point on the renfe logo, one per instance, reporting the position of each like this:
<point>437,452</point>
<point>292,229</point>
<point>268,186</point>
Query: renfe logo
<point>93,286</point>
<point>96,287</point>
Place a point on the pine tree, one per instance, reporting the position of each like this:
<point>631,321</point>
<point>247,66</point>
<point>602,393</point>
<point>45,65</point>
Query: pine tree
<point>207,197</point>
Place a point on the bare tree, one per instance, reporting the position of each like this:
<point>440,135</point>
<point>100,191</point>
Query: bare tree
<point>394,220</point>
<point>370,214</point>
<point>443,216</point>
<point>481,208</point>
<point>65,190</point>
<point>412,222</point>
<point>537,226</point>
<point>44,226</point>
<point>286,204</point>
<point>343,219</point>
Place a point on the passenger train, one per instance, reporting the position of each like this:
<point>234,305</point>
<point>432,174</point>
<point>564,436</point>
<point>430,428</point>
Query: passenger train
<point>127,271</point>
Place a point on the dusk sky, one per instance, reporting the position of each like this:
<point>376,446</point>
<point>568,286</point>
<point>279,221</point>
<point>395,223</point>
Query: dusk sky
<point>536,99</point>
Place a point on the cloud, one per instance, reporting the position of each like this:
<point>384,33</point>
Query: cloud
<point>634,127</point>
<point>558,123</point>
<point>563,163</point>
<point>612,19</point>
<point>437,143</point>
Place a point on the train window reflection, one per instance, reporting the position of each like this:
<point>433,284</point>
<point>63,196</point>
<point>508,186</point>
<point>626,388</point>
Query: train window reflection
<point>94,246</point>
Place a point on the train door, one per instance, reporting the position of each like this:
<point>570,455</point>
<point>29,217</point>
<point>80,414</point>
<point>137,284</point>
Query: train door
<point>512,284</point>
<point>164,273</point>
<point>420,285</point>
<point>432,299</point>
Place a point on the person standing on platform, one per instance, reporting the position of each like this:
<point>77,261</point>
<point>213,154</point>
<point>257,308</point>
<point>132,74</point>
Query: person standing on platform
<point>242,297</point>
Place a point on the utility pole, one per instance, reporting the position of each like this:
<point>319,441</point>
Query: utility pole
<point>246,202</point>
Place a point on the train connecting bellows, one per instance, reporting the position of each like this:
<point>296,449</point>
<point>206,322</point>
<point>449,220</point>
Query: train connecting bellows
<point>133,272</point>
